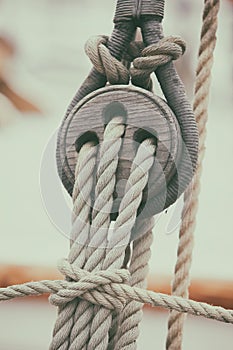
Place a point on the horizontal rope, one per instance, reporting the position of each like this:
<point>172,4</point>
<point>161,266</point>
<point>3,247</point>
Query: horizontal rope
<point>109,290</point>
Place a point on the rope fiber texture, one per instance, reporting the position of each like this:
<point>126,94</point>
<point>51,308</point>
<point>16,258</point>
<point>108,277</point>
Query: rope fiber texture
<point>85,168</point>
<point>181,279</point>
<point>128,331</point>
<point>100,301</point>
<point>79,324</point>
<point>145,59</point>
<point>100,295</point>
<point>104,62</point>
<point>153,56</point>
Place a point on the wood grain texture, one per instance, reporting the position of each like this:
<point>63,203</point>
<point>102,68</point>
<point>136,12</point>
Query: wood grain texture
<point>146,115</point>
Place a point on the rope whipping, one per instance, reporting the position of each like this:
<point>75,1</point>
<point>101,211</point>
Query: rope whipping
<point>181,279</point>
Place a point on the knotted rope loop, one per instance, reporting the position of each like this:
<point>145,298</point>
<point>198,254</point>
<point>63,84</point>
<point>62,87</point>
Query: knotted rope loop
<point>145,59</point>
<point>171,47</point>
<point>91,286</point>
<point>115,72</point>
<point>134,50</point>
<point>153,56</point>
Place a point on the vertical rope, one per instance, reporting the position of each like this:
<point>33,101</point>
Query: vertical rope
<point>184,255</point>
<point>132,314</point>
<point>119,240</point>
<point>109,150</point>
<point>81,212</point>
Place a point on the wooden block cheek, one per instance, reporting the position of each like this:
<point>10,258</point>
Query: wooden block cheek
<point>143,114</point>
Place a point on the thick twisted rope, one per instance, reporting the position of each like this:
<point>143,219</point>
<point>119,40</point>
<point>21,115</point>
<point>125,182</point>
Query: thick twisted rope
<point>115,72</point>
<point>151,57</point>
<point>120,291</point>
<point>77,333</point>
<point>95,339</point>
<point>85,167</point>
<point>104,62</point>
<point>184,255</point>
<point>81,332</point>
<point>120,236</point>
<point>128,331</point>
<point>107,288</point>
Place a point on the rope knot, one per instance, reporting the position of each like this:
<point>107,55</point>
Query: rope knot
<point>145,60</point>
<point>98,52</point>
<point>153,56</point>
<point>94,287</point>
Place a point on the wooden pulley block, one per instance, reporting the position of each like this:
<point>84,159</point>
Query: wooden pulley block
<point>145,116</point>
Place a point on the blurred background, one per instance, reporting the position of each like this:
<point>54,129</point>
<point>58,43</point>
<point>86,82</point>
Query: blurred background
<point>42,64</point>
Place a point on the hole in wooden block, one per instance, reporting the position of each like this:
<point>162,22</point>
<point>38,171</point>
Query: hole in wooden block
<point>114,109</point>
<point>142,134</point>
<point>145,116</point>
<point>88,136</point>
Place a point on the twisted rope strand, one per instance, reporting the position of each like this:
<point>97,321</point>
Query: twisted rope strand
<point>184,255</point>
<point>120,237</point>
<point>109,289</point>
<point>153,56</point>
<point>104,62</point>
<point>81,332</point>
<point>132,314</point>
<point>82,198</point>
<point>122,291</point>
<point>102,59</point>
<point>96,340</point>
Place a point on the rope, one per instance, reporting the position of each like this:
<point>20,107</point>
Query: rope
<point>104,62</point>
<point>120,236</point>
<point>98,293</point>
<point>100,302</point>
<point>153,56</point>
<point>79,333</point>
<point>85,167</point>
<point>128,332</point>
<point>121,37</point>
<point>109,150</point>
<point>105,159</point>
<point>184,255</point>
<point>172,88</point>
